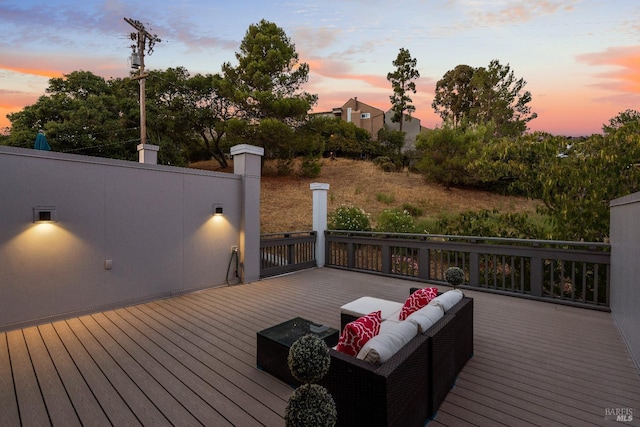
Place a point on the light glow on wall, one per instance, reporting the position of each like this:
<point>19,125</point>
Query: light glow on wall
<point>46,246</point>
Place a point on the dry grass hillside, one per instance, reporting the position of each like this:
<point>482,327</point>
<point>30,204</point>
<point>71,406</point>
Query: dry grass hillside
<point>286,202</point>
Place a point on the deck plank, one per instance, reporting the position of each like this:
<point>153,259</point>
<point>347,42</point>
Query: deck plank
<point>31,404</point>
<point>102,391</point>
<point>206,349</point>
<point>191,359</point>
<point>59,407</point>
<point>140,405</point>
<point>227,399</point>
<point>76,387</point>
<point>9,414</point>
<point>146,375</point>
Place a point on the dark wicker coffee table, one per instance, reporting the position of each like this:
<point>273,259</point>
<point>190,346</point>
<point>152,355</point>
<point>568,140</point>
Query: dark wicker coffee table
<point>273,345</point>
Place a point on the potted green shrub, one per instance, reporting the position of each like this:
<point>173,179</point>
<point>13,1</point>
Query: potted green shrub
<point>310,405</point>
<point>454,276</point>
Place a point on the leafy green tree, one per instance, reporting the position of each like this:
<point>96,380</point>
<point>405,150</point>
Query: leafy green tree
<point>85,114</point>
<point>500,99</point>
<point>446,152</point>
<point>575,179</point>
<point>391,142</point>
<point>483,96</point>
<point>453,98</point>
<point>577,187</point>
<point>340,137</point>
<point>80,113</point>
<point>513,165</point>
<point>627,116</point>
<point>171,112</point>
<point>402,83</point>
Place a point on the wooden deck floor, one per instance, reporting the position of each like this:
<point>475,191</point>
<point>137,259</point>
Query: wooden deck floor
<point>190,360</point>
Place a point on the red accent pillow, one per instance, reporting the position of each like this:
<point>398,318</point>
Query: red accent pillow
<point>358,332</point>
<point>417,300</point>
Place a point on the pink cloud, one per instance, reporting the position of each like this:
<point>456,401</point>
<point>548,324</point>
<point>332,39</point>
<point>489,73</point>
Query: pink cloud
<point>515,12</point>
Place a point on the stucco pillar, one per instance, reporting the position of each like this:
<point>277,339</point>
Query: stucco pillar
<point>320,218</point>
<point>247,162</point>
<point>148,153</point>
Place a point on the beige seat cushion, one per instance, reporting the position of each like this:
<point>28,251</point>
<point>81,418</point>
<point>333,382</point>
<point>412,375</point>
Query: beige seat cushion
<point>426,316</point>
<point>365,305</point>
<point>388,342</point>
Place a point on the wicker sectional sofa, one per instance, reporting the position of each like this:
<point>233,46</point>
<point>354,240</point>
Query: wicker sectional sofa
<point>407,389</point>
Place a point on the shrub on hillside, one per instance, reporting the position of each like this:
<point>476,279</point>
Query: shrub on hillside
<point>414,211</point>
<point>386,164</point>
<point>395,221</point>
<point>487,223</point>
<point>349,218</point>
<point>310,167</point>
<point>387,199</point>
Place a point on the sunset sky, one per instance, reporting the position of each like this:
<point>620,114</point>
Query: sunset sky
<point>580,58</point>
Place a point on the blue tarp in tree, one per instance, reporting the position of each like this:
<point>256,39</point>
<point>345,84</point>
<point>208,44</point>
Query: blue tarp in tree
<point>41,142</point>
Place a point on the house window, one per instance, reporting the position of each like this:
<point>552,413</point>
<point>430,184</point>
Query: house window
<point>365,115</point>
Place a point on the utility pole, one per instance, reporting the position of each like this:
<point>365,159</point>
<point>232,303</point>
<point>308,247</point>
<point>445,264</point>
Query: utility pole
<point>137,61</point>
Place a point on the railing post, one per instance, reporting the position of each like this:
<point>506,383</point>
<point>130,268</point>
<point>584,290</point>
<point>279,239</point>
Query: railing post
<point>537,272</point>
<point>385,253</point>
<point>319,192</point>
<point>424,263</point>
<point>474,269</point>
<point>351,255</point>
<point>290,250</point>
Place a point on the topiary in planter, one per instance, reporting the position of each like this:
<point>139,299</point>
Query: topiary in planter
<point>311,405</point>
<point>454,276</point>
<point>309,359</point>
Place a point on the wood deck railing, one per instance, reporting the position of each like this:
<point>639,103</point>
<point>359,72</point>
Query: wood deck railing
<point>285,252</point>
<point>573,273</point>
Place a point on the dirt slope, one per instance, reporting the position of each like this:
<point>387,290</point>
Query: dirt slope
<point>286,201</point>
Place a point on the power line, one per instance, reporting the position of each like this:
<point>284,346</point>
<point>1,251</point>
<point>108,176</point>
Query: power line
<point>100,146</point>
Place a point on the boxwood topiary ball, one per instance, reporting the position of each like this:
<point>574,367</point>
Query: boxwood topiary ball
<point>311,405</point>
<point>454,275</point>
<point>309,359</point>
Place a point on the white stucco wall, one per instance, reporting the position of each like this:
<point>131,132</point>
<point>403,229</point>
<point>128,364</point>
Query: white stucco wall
<point>153,222</point>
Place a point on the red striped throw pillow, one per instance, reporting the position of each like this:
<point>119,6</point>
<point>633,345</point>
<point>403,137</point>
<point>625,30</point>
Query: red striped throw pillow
<point>417,300</point>
<point>358,332</point>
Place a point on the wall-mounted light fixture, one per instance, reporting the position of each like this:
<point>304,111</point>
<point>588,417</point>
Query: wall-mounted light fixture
<point>217,210</point>
<point>44,214</point>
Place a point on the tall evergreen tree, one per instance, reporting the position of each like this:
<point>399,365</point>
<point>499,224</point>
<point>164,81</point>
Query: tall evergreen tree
<point>268,78</point>
<point>402,83</point>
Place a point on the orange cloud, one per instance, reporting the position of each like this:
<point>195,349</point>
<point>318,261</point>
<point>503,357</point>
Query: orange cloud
<point>32,71</point>
<point>626,61</point>
<point>337,70</point>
